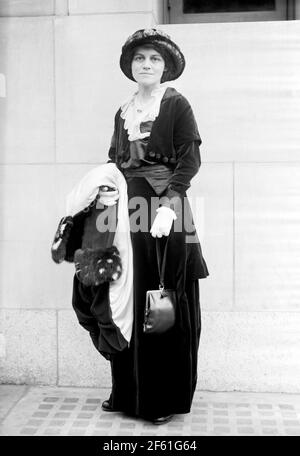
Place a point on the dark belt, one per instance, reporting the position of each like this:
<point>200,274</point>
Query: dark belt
<point>158,176</point>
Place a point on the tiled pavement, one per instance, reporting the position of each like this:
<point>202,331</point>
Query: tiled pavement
<point>61,411</point>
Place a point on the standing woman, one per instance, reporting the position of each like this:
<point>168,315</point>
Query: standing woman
<point>156,146</point>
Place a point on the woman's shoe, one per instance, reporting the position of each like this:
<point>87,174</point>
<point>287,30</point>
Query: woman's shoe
<point>107,407</point>
<point>162,419</point>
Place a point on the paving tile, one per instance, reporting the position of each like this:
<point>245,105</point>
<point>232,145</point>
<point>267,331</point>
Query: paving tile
<point>289,414</point>
<point>175,426</point>
<point>240,413</point>
<point>71,399</point>
<point>264,406</point>
<point>28,431</point>
<point>67,407</point>
<point>125,433</point>
<point>57,423</point>
<point>40,414</point>
<point>35,422</point>
<point>76,433</point>
<point>149,425</point>
<point>220,420</point>
<point>104,425</point>
<point>220,405</point>
<point>291,422</point>
<point>127,425</point>
<point>286,406</point>
<point>199,419</point>
<point>270,431</point>
<point>245,430</point>
<point>62,415</point>
<point>51,399</point>
<point>80,423</point>
<point>220,412</point>
<point>269,422</point>
<point>261,413</point>
<point>108,415</point>
<point>222,429</point>
<point>244,421</point>
<point>85,415</point>
<point>199,412</point>
<point>199,428</point>
<point>195,426</point>
<point>128,418</point>
<point>89,407</point>
<point>45,406</point>
<point>93,401</point>
<point>51,431</point>
<point>168,433</point>
<point>200,404</point>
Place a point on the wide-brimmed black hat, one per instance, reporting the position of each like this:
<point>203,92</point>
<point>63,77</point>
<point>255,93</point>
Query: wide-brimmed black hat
<point>160,41</point>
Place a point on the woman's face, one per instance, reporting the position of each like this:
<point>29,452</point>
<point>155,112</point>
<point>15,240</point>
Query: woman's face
<point>147,66</point>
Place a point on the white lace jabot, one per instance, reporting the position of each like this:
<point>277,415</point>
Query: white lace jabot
<point>134,115</point>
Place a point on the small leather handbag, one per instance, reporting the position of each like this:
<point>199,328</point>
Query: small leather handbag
<point>160,305</point>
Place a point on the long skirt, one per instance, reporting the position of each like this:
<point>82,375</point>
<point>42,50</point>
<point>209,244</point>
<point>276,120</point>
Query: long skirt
<point>157,374</point>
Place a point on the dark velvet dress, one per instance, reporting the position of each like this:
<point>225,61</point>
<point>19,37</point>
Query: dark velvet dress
<point>157,375</point>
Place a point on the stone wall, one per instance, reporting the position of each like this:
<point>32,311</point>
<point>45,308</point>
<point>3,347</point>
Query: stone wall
<point>60,88</point>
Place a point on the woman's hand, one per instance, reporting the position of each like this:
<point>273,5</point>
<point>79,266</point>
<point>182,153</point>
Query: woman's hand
<point>163,222</point>
<point>108,197</point>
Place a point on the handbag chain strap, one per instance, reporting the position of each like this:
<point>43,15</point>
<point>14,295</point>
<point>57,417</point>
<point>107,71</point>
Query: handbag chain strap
<point>161,264</point>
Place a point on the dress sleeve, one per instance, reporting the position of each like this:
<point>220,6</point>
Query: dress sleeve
<point>112,149</point>
<point>188,165</point>
<point>185,125</point>
<point>113,143</point>
<point>187,141</point>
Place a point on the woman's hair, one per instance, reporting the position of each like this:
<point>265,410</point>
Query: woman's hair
<point>165,55</point>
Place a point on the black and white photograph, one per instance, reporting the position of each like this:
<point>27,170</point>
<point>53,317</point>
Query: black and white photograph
<point>149,222</point>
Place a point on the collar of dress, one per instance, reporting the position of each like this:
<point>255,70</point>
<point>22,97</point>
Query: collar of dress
<point>133,116</point>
